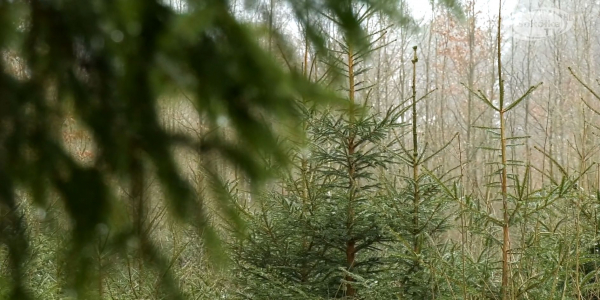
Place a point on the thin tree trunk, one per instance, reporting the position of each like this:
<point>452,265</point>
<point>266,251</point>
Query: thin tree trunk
<point>505,215</point>
<point>350,244</point>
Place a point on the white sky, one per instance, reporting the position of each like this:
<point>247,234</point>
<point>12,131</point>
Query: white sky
<point>422,8</point>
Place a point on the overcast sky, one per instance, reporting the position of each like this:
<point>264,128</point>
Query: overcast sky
<point>422,9</point>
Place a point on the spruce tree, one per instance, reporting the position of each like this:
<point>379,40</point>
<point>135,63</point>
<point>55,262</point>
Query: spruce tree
<point>318,234</point>
<point>324,221</point>
<point>416,209</point>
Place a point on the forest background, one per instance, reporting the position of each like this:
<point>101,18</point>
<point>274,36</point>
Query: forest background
<point>299,150</point>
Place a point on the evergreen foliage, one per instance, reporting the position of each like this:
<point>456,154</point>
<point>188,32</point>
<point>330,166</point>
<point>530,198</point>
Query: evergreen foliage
<point>299,233</point>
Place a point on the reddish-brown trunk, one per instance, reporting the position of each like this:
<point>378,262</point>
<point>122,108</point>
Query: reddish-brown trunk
<point>350,255</point>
